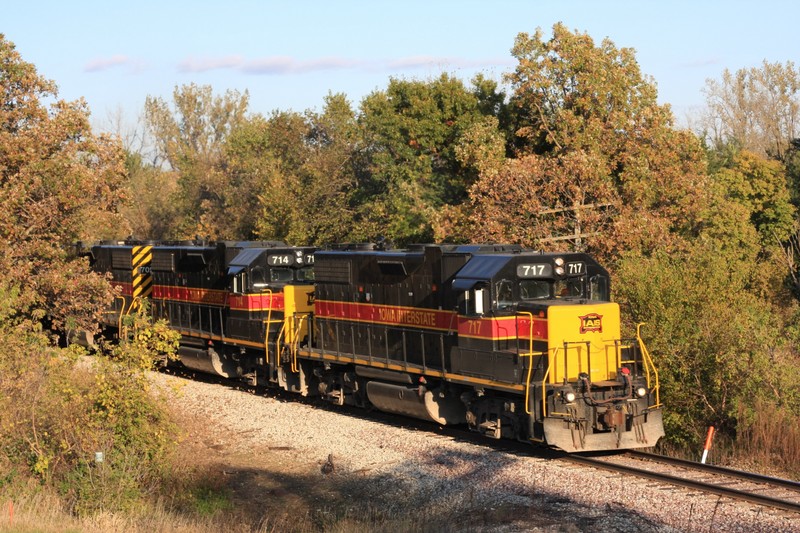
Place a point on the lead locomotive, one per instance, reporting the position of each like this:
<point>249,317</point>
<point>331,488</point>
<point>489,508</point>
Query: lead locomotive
<point>512,342</point>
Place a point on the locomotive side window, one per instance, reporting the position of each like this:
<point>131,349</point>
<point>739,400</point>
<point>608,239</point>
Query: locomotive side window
<point>240,283</point>
<point>474,302</point>
<point>479,294</point>
<point>598,289</point>
<point>505,297</point>
<point>534,289</point>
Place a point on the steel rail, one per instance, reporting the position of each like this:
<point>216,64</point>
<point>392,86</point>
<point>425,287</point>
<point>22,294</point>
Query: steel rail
<point>714,469</point>
<point>688,483</point>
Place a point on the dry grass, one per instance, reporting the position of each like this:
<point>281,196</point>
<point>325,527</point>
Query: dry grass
<point>40,512</point>
<point>771,441</point>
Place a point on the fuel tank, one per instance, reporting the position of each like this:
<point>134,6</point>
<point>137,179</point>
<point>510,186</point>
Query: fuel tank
<point>207,361</point>
<point>415,402</point>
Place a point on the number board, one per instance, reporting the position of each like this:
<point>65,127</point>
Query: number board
<point>280,260</point>
<point>575,269</point>
<point>539,270</point>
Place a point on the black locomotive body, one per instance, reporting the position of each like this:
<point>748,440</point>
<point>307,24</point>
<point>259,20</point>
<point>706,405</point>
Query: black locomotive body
<point>512,342</point>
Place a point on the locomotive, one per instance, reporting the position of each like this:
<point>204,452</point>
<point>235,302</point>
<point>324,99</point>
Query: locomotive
<point>512,342</point>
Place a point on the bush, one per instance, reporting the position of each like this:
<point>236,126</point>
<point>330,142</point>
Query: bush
<point>59,408</point>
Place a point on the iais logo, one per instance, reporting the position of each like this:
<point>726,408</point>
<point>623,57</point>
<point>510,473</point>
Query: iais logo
<point>591,322</point>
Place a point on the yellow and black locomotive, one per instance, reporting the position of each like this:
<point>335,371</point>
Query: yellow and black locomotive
<point>512,342</point>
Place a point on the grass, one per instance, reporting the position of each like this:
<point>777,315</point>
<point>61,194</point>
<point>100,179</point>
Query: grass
<point>771,441</point>
<point>767,442</point>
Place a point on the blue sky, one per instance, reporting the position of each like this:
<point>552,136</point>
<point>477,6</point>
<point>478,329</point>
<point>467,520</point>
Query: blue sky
<point>289,55</point>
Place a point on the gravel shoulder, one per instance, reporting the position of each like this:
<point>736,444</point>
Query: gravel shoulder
<point>291,466</point>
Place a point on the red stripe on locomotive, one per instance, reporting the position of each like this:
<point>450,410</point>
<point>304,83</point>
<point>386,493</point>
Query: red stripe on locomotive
<point>386,314</point>
<point>510,327</point>
<point>239,302</point>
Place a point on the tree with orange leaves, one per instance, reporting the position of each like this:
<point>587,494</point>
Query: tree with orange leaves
<point>58,183</point>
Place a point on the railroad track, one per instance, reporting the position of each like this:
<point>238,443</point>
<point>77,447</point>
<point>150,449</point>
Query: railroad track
<point>734,484</point>
<point>753,488</point>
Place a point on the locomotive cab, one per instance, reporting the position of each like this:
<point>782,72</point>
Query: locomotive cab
<point>545,321</point>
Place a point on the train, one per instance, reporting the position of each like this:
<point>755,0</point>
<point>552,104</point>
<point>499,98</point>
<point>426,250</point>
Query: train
<point>511,342</point>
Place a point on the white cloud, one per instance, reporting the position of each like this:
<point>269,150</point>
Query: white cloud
<point>277,65</point>
<point>204,64</point>
<point>104,63</point>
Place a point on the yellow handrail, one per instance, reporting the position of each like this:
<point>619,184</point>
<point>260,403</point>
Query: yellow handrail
<point>648,364</point>
<point>121,312</point>
<point>550,356</point>
<point>530,361</point>
<point>277,344</point>
<point>295,346</point>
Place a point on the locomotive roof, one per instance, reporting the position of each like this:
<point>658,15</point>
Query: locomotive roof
<point>486,266</point>
<point>246,256</point>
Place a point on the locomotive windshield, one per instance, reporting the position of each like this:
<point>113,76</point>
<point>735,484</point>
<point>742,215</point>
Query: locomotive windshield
<point>280,274</point>
<point>569,288</point>
<point>541,289</point>
<point>534,289</point>
<point>305,273</point>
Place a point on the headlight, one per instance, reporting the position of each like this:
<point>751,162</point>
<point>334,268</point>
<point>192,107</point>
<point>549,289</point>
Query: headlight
<point>641,392</point>
<point>560,271</point>
<point>568,396</point>
<point>559,261</point>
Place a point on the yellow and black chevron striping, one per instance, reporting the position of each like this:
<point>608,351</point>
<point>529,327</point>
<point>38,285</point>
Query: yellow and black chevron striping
<point>141,257</point>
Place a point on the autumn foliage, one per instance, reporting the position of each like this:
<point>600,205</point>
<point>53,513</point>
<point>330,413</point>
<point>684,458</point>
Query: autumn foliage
<point>573,151</point>
<point>60,183</point>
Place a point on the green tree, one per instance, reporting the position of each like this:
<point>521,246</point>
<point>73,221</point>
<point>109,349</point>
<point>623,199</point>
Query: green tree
<point>327,180</point>
<point>191,138</point>
<point>300,168</point>
<point>761,186</point>
<point>411,132</point>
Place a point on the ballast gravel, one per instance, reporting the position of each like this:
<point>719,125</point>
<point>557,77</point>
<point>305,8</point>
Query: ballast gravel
<point>393,471</point>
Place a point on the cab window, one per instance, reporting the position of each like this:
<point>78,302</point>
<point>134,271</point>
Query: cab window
<point>280,274</point>
<point>475,301</point>
<point>258,277</point>
<point>534,289</point>
<point>504,294</point>
<point>305,274</point>
<point>569,288</point>
<point>598,287</point>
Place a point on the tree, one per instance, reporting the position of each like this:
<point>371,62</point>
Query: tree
<point>598,159</point>
<point>760,185</point>
<point>327,180</point>
<point>58,183</point>
<point>191,138</point>
<point>411,131</point>
<point>756,109</point>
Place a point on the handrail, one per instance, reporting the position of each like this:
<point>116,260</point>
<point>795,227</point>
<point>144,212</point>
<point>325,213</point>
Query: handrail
<point>648,364</point>
<point>121,312</point>
<point>530,355</point>
<point>550,357</point>
<point>295,346</point>
<point>269,309</point>
<point>277,344</point>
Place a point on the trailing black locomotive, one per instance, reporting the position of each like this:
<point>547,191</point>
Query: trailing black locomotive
<point>514,343</point>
